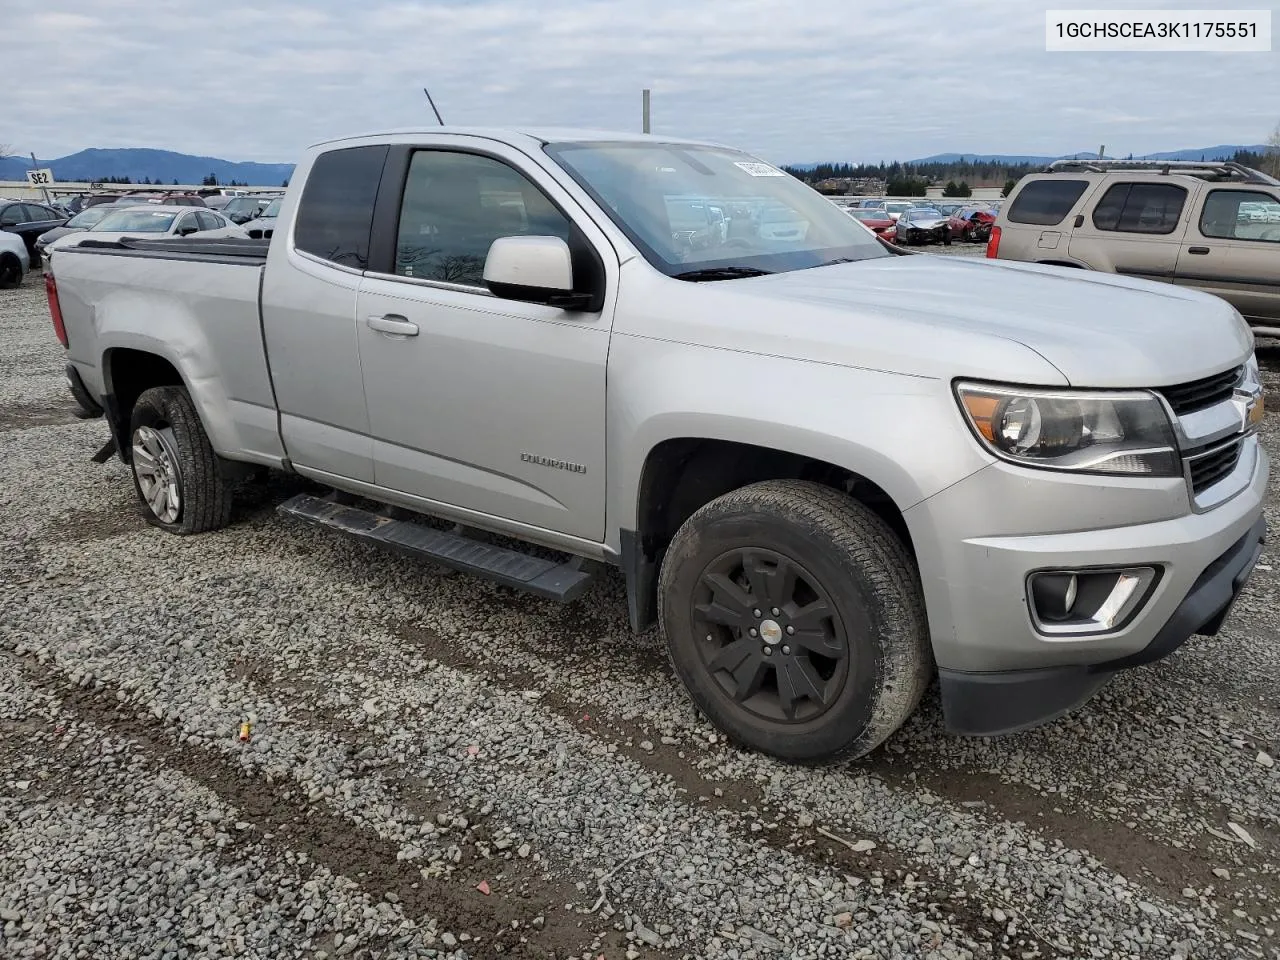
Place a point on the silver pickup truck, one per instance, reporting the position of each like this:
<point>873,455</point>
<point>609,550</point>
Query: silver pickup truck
<point>829,472</point>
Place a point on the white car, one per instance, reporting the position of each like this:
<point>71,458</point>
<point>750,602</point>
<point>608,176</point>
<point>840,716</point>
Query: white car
<point>152,222</point>
<point>14,260</point>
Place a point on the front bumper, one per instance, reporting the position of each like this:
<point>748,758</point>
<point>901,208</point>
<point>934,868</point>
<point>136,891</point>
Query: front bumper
<point>998,671</point>
<point>996,703</point>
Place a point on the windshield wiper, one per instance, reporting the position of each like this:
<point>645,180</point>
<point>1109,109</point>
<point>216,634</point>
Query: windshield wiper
<point>721,273</point>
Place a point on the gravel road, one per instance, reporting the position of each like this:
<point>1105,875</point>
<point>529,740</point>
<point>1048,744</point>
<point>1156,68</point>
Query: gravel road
<point>440,767</point>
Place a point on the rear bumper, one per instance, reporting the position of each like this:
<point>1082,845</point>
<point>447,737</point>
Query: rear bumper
<point>1006,702</point>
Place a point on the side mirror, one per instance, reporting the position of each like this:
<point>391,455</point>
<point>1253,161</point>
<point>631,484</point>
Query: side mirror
<point>186,231</point>
<point>533,270</point>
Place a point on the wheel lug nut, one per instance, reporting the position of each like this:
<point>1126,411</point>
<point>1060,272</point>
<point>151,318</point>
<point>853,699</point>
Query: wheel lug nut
<point>786,651</point>
<point>791,629</point>
<point>776,611</point>
<point>752,631</point>
<point>755,613</point>
<point>710,638</point>
<point>768,651</point>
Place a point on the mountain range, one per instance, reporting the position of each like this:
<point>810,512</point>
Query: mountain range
<point>166,166</point>
<point>137,164</point>
<point>1223,151</point>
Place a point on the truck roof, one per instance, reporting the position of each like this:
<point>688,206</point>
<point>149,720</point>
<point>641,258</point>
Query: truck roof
<point>540,134</point>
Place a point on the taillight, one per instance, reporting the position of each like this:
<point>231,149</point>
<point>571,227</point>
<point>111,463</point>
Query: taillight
<point>993,244</point>
<point>55,310</point>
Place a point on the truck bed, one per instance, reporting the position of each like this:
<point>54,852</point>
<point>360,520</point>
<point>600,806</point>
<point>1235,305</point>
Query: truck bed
<point>216,250</point>
<point>192,302</point>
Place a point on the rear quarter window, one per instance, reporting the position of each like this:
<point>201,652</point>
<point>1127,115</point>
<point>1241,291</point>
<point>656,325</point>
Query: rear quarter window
<point>335,214</point>
<point>1140,208</point>
<point>1046,202</point>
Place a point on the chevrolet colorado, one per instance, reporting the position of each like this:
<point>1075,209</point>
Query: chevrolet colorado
<point>828,472</point>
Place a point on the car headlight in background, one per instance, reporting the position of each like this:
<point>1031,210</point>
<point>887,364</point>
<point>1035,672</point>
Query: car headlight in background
<point>1126,434</point>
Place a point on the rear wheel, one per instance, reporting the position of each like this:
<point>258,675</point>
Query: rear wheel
<point>175,471</point>
<point>10,271</point>
<point>794,619</point>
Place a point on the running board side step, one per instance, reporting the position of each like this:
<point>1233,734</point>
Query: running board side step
<point>545,578</point>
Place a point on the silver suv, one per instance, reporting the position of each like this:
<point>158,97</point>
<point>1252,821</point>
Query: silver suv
<point>1213,226</point>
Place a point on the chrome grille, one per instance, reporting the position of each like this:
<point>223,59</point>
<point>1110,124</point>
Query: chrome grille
<point>1198,394</point>
<point>1207,465</point>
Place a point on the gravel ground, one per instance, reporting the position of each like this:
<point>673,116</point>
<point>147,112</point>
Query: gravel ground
<point>438,766</point>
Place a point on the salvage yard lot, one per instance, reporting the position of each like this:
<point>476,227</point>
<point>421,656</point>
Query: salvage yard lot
<point>439,766</point>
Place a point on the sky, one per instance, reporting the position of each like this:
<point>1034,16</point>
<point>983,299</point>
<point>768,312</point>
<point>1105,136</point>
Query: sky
<point>793,82</point>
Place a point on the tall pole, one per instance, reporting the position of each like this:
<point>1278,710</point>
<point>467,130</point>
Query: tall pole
<point>1102,152</point>
<point>645,109</point>
<point>43,189</point>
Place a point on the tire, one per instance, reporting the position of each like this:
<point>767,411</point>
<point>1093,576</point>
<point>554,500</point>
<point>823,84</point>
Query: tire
<point>876,660</point>
<point>170,449</point>
<point>10,272</point>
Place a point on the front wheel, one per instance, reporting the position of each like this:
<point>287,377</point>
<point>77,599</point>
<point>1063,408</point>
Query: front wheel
<point>175,472</point>
<point>793,616</point>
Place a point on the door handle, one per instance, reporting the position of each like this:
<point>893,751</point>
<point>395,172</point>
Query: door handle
<point>393,323</point>
<point>1197,250</point>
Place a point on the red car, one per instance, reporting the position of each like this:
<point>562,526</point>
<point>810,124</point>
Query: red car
<point>876,220</point>
<point>972,223</point>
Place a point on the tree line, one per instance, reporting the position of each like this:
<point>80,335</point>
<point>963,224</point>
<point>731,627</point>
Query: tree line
<point>911,179</point>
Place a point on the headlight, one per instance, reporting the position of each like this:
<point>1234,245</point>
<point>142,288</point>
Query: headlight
<point>1082,431</point>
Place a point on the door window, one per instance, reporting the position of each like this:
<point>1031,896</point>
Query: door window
<point>335,214</point>
<point>456,204</point>
<point>37,213</point>
<point>1046,202</point>
<point>187,224</point>
<point>12,215</point>
<point>1241,215</point>
<point>1140,208</point>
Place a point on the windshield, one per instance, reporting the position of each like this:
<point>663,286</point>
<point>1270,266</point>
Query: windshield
<point>136,221</point>
<point>869,214</point>
<point>897,207</point>
<point>87,218</point>
<point>710,211</point>
<point>925,213</point>
<point>242,205</point>
<point>273,208</point>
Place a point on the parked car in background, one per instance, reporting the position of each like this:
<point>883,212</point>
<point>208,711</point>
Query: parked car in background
<point>217,201</point>
<point>84,220</point>
<point>244,209</point>
<point>15,261</point>
<point>922,225</point>
<point>895,207</point>
<point>27,219</point>
<point>972,223</point>
<point>153,222</point>
<point>946,207</point>
<point>877,221</point>
<point>261,228</point>
<point>1209,225</point>
<point>169,199</point>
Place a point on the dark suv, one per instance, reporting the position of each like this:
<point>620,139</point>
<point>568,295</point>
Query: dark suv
<point>28,220</point>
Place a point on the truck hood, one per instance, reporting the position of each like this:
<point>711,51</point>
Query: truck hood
<point>947,317</point>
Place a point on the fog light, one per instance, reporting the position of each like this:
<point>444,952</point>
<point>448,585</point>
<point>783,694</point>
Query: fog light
<point>1055,594</point>
<point>1088,601</point>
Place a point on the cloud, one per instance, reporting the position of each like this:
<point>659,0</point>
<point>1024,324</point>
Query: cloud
<point>880,79</point>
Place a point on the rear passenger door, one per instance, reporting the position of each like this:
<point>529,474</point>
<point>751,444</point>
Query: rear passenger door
<point>309,316</point>
<point>1134,228</point>
<point>1233,250</point>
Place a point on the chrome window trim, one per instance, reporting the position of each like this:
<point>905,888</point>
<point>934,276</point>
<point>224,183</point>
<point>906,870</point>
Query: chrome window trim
<point>435,284</point>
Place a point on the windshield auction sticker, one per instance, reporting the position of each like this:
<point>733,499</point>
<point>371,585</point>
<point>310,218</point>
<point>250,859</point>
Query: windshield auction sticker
<point>1137,31</point>
<point>758,169</point>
